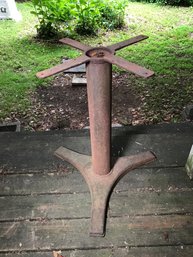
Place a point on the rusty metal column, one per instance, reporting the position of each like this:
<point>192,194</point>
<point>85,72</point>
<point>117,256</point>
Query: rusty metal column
<point>96,169</point>
<point>99,80</point>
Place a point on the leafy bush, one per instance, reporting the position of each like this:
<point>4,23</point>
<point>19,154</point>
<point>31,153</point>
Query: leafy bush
<point>84,16</point>
<point>175,2</point>
<point>87,16</point>
<point>91,15</point>
<point>112,13</point>
<point>170,2</point>
<point>51,14</point>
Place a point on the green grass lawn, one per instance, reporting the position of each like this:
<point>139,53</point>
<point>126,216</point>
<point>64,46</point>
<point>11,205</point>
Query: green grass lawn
<point>168,51</point>
<point>21,58</point>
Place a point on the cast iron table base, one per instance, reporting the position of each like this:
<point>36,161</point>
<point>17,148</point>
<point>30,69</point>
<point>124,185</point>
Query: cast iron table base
<point>100,171</point>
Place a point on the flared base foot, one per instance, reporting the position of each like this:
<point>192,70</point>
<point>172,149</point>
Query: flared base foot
<point>101,186</point>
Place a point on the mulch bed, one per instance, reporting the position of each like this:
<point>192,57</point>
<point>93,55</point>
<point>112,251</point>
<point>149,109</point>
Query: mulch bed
<point>63,106</point>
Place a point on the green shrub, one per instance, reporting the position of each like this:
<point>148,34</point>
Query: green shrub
<point>175,2</point>
<point>170,2</point>
<point>83,16</point>
<point>51,15</point>
<point>112,13</point>
<point>93,14</point>
<point>87,15</point>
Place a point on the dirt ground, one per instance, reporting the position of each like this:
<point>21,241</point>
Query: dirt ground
<point>63,106</point>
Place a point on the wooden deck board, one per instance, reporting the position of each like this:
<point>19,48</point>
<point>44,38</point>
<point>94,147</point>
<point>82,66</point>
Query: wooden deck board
<point>45,203</point>
<point>75,206</point>
<point>61,182</point>
<point>34,151</point>
<point>160,251</point>
<point>72,234</point>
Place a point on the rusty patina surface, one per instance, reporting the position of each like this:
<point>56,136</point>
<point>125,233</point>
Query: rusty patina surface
<point>100,171</point>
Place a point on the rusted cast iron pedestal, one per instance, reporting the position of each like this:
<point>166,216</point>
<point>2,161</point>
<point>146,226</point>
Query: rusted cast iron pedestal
<point>100,171</point>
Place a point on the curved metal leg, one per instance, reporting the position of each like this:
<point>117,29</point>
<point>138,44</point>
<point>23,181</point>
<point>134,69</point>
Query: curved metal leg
<point>101,186</point>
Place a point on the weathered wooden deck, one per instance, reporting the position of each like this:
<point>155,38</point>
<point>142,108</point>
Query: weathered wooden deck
<point>45,203</point>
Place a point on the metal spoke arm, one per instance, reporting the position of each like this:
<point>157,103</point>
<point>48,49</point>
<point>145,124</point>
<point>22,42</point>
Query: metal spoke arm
<point>136,69</point>
<point>127,42</point>
<point>64,66</point>
<point>75,44</point>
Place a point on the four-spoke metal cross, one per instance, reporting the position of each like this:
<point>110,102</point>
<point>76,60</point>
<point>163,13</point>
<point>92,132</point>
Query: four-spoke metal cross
<point>100,171</point>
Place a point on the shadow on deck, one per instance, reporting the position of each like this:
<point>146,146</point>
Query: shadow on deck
<point>45,203</point>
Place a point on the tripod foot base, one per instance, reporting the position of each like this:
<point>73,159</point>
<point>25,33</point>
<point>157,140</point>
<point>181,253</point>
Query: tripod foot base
<point>101,186</point>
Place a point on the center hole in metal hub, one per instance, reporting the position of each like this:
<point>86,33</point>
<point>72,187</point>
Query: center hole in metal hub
<point>98,52</point>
